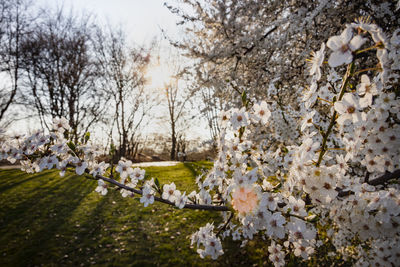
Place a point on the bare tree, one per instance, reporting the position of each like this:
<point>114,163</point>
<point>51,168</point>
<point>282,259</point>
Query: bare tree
<point>124,82</point>
<point>177,99</point>
<point>14,24</point>
<point>62,71</point>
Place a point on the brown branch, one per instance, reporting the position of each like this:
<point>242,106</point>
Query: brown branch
<point>377,181</point>
<point>366,179</point>
<point>343,87</point>
<point>187,206</point>
<point>380,180</point>
<point>384,178</point>
<point>342,193</point>
<point>248,49</point>
<point>225,225</point>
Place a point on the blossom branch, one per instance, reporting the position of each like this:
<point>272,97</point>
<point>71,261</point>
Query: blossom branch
<point>333,119</point>
<point>366,70</point>
<point>187,206</point>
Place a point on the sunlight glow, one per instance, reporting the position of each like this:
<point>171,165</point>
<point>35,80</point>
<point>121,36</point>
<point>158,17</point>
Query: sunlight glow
<point>159,76</point>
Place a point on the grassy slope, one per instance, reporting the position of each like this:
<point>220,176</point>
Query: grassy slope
<point>52,220</point>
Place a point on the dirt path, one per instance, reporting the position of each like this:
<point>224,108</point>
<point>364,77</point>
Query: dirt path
<point>8,167</point>
<point>156,164</point>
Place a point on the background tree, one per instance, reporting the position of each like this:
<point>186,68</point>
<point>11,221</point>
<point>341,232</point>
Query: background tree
<point>62,71</point>
<point>177,99</point>
<point>213,101</point>
<point>124,82</point>
<point>15,19</point>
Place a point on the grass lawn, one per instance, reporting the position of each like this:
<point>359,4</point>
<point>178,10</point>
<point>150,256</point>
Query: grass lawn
<point>50,220</point>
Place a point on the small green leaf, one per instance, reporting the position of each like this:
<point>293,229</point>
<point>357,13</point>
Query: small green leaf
<point>71,145</point>
<point>244,98</point>
<point>87,137</point>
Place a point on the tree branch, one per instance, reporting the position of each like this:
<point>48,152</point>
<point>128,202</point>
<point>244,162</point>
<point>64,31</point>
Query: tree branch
<point>377,181</point>
<point>248,49</point>
<point>225,225</point>
<point>187,206</point>
<point>343,87</point>
<point>384,178</point>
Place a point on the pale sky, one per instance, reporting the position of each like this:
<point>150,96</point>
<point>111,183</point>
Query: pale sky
<point>142,19</point>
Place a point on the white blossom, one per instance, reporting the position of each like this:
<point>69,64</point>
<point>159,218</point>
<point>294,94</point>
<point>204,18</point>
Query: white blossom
<point>169,192</point>
<point>366,89</point>
<point>261,112</point>
<point>343,45</point>
<point>102,187</point>
<point>317,58</point>
<point>147,195</point>
<point>348,108</point>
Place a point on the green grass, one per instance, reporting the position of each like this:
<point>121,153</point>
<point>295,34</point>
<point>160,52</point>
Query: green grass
<point>50,220</point>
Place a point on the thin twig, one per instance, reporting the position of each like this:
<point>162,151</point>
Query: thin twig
<point>225,225</point>
<point>366,179</point>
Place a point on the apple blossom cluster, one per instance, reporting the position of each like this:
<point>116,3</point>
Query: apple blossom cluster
<point>242,175</point>
<point>318,176</point>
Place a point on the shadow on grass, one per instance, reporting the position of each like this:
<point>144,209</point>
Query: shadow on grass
<point>197,168</point>
<point>190,167</point>
<point>29,228</point>
<point>41,194</point>
<point>12,179</point>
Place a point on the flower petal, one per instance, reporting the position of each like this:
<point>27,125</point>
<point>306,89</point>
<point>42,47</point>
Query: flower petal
<point>356,42</point>
<point>334,43</point>
<point>338,58</point>
<point>365,79</point>
<point>340,107</point>
<point>346,35</point>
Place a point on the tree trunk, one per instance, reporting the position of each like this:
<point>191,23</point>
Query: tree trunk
<point>173,148</point>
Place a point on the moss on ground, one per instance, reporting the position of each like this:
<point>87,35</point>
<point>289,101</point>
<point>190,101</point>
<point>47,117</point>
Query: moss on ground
<point>50,220</point>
